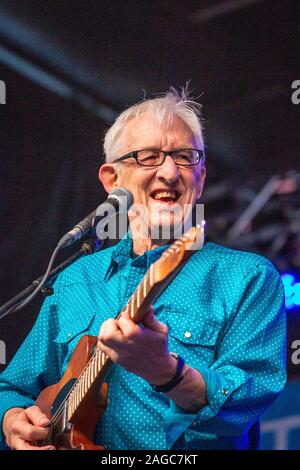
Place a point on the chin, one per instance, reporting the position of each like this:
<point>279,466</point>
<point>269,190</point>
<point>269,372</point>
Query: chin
<point>166,229</point>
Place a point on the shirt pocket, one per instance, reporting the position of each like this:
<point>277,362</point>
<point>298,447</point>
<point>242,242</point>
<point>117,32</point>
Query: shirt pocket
<point>70,333</point>
<point>196,339</point>
<point>71,330</point>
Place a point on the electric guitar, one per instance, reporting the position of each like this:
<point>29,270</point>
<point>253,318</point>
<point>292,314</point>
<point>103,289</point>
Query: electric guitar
<point>76,403</point>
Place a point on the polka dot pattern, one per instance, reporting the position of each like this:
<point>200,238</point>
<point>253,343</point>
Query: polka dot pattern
<point>225,315</point>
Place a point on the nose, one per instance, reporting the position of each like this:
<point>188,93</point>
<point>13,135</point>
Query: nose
<point>168,171</point>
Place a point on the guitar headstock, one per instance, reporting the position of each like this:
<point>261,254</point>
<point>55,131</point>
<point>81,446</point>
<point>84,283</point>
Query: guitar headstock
<point>193,239</point>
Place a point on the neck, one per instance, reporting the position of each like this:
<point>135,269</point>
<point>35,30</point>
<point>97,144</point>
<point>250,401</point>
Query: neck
<point>140,244</point>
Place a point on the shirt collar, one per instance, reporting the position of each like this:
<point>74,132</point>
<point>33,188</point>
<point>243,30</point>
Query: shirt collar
<point>123,252</point>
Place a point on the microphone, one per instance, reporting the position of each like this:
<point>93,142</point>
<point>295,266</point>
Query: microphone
<point>119,200</point>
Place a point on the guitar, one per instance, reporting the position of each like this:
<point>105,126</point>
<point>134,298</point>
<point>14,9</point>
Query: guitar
<point>76,403</point>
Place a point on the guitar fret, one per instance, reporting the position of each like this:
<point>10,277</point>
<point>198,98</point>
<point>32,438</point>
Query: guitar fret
<point>80,390</point>
<point>145,286</point>
<point>128,307</point>
<point>89,377</point>
<point>70,406</point>
<point>91,374</point>
<point>78,396</point>
<point>132,308</point>
<point>151,275</point>
<point>95,366</point>
<point>93,370</point>
<point>84,382</point>
<point>103,358</point>
<point>76,401</point>
<point>99,360</point>
<point>138,299</point>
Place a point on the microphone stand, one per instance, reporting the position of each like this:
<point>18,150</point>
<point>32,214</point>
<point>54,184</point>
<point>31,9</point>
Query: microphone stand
<point>88,247</point>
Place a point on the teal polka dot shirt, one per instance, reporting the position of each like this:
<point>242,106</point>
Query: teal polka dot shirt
<point>225,314</point>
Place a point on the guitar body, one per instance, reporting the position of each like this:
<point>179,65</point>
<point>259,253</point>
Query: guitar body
<point>80,432</point>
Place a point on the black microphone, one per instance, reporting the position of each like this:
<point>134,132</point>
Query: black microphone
<point>119,200</point>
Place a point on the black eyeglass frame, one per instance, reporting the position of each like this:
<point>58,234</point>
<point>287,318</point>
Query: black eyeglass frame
<point>134,154</point>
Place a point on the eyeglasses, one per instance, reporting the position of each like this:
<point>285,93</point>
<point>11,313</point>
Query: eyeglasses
<point>156,157</point>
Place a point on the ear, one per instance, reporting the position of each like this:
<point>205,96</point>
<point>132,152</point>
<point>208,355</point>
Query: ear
<point>108,176</point>
<point>201,180</point>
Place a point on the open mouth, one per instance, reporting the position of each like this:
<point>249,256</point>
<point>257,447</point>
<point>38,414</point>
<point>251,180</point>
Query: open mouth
<point>165,195</point>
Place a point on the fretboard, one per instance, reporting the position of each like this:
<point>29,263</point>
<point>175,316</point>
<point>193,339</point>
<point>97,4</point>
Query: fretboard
<point>100,364</point>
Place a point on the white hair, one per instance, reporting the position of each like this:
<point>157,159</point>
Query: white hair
<point>162,109</point>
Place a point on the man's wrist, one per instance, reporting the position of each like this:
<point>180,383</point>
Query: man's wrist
<point>176,378</point>
<point>164,372</point>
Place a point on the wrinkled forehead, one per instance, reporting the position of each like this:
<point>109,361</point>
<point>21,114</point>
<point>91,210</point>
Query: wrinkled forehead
<point>146,131</point>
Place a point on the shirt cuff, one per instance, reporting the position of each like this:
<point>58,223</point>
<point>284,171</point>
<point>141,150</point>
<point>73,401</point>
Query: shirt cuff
<point>218,390</point>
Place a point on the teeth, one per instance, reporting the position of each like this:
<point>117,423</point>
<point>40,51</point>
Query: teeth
<point>163,194</point>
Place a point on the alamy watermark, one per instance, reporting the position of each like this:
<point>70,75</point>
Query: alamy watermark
<point>296,94</point>
<point>295,357</point>
<point>2,352</point>
<point>158,222</point>
<point>2,92</point>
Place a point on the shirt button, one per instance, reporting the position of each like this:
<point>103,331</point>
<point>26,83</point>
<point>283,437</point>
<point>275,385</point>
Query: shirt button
<point>225,391</point>
<point>194,424</point>
<point>187,334</point>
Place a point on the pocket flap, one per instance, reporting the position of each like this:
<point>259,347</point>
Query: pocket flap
<point>189,331</point>
<point>72,329</point>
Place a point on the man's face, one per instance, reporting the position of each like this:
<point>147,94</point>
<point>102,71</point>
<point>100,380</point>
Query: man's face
<point>165,191</point>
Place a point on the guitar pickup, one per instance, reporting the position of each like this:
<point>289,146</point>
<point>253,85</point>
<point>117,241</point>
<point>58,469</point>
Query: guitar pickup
<point>66,425</point>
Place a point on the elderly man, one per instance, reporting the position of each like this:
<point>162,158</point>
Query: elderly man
<point>222,315</point>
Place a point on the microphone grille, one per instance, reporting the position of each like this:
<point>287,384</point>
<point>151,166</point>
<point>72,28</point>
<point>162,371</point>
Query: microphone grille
<point>123,196</point>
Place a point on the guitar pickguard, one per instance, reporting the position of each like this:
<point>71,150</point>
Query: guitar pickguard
<point>62,395</point>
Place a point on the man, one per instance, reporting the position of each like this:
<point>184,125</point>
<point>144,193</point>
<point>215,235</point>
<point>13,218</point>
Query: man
<point>223,314</point>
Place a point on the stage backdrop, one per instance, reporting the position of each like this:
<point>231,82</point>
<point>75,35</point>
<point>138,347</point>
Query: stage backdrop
<point>51,150</point>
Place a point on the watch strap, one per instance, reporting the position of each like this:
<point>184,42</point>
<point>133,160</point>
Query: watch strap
<point>178,377</point>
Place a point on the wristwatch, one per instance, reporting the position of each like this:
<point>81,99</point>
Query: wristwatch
<point>178,377</point>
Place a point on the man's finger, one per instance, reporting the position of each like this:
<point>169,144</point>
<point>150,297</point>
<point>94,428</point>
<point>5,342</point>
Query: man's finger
<point>151,322</point>
<point>29,432</point>
<point>113,355</point>
<point>36,416</point>
<point>108,328</point>
<point>20,444</point>
<point>128,327</point>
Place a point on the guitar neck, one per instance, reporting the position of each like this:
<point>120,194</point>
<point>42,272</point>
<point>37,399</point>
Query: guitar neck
<point>99,365</point>
<point>157,278</point>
